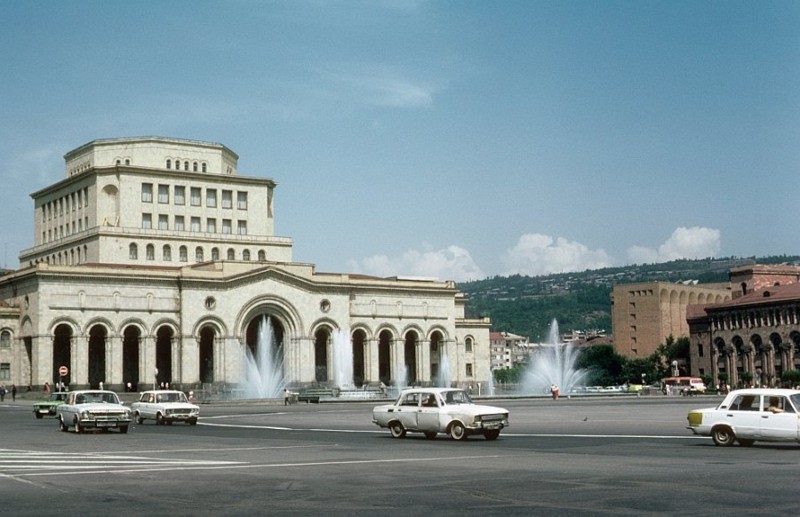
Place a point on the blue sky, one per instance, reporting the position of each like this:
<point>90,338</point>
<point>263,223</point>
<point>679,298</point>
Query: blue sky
<point>449,139</point>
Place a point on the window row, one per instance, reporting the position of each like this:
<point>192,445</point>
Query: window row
<point>67,257</point>
<point>203,166</point>
<point>183,253</point>
<point>65,230</point>
<point>5,338</point>
<point>65,204</point>
<point>195,224</point>
<point>225,198</point>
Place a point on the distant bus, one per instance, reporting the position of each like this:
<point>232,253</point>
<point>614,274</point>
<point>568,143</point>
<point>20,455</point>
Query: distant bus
<point>683,385</point>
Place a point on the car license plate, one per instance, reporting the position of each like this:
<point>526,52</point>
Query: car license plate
<point>105,424</point>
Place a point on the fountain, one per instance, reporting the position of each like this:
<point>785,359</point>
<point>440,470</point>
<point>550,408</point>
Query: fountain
<point>343,359</point>
<point>443,376</point>
<point>552,363</point>
<point>264,372</point>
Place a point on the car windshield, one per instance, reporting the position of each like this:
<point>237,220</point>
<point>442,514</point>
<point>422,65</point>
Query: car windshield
<point>795,400</point>
<point>96,397</point>
<point>456,397</point>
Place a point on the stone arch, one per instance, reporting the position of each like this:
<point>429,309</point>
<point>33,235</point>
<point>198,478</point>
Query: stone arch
<point>323,336</point>
<point>360,339</point>
<point>98,339</point>
<point>276,308</point>
<point>165,336</point>
<point>439,358</point>
<point>411,338</point>
<point>63,335</point>
<point>386,336</point>
<point>132,333</point>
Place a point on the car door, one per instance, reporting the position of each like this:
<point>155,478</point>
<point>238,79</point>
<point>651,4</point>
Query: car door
<point>745,415</point>
<point>406,411</point>
<point>428,414</point>
<point>779,420</point>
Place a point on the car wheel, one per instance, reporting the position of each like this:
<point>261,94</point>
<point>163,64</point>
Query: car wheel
<point>159,419</point>
<point>77,426</point>
<point>192,421</point>
<point>39,416</point>
<point>430,435</point>
<point>169,422</point>
<point>139,419</point>
<point>491,434</point>
<point>62,426</point>
<point>457,431</point>
<point>746,443</point>
<point>123,429</point>
<point>397,429</point>
<point>723,436</point>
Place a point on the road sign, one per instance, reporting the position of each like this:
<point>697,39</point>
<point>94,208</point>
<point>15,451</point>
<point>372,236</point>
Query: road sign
<point>63,370</point>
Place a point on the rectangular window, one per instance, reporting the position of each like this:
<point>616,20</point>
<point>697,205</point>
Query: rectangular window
<point>226,226</point>
<point>241,227</point>
<point>211,225</point>
<point>196,196</point>
<point>241,200</point>
<point>179,224</point>
<point>5,371</point>
<point>163,193</point>
<point>195,224</point>
<point>227,199</point>
<point>211,198</point>
<point>147,192</point>
<point>163,222</point>
<point>180,195</point>
<point>147,221</point>
<point>469,369</point>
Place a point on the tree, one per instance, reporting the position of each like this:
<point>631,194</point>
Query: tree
<point>791,377</point>
<point>604,365</point>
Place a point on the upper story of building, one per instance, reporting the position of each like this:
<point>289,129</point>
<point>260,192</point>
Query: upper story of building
<point>153,200</point>
<point>746,279</point>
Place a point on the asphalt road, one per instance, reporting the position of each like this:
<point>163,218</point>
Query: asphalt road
<point>600,456</point>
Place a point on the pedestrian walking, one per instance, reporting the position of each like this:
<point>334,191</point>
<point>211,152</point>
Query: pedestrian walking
<point>14,392</point>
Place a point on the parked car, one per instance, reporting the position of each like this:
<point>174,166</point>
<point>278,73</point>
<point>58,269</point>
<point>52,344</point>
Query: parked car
<point>440,410</point>
<point>747,415</point>
<point>48,407</point>
<point>93,409</point>
<point>165,407</point>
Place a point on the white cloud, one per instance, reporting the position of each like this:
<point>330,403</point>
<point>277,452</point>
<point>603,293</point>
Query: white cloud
<point>451,263</point>
<point>684,243</point>
<point>538,254</point>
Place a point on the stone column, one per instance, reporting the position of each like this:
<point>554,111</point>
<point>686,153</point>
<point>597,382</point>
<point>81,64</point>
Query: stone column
<point>371,363</point>
<point>41,360</point>
<point>147,362</point>
<point>79,357</point>
<point>113,374</point>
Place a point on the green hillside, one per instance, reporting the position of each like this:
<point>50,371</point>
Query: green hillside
<point>526,305</point>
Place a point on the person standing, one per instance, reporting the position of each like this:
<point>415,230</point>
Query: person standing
<point>13,392</point>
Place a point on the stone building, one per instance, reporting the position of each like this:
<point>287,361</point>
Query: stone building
<point>155,261</point>
<point>753,338</point>
<point>644,315</point>
<point>507,350</point>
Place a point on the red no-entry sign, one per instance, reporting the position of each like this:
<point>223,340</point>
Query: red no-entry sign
<point>63,370</point>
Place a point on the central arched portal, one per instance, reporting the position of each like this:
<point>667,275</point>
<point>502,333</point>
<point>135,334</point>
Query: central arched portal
<point>130,357</point>
<point>62,347</point>
<point>97,355</point>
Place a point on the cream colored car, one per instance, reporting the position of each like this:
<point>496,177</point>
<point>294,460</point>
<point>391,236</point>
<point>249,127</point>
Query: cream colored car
<point>749,415</point>
<point>165,407</point>
<point>440,410</point>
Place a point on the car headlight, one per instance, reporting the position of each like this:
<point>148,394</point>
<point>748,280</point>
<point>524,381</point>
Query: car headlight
<point>85,414</point>
<point>478,419</point>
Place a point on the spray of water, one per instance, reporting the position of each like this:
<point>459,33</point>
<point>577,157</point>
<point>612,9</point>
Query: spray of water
<point>343,359</point>
<point>263,372</point>
<point>553,363</point>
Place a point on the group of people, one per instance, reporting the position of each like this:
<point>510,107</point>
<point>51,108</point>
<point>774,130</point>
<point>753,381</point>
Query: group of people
<point>3,392</point>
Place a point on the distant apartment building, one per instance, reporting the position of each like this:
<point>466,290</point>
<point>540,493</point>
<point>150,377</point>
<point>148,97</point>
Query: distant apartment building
<point>507,349</point>
<point>754,337</point>
<point>644,315</point>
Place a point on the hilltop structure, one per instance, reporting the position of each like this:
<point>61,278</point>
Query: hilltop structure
<point>154,261</point>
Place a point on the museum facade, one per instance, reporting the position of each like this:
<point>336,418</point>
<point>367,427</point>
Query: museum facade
<point>155,261</point>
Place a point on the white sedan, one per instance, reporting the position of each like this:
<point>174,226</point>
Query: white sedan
<point>747,415</point>
<point>440,410</point>
<point>165,407</point>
